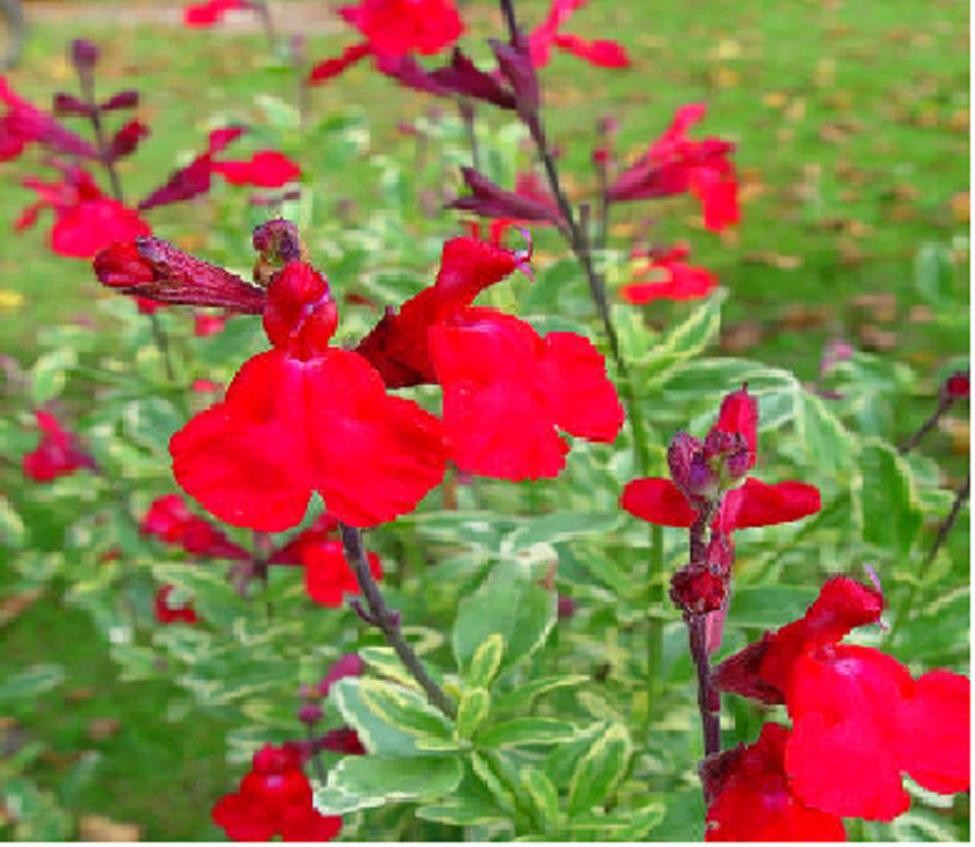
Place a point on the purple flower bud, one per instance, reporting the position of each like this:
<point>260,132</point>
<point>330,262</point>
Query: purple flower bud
<point>727,454</point>
<point>566,607</point>
<point>310,713</point>
<point>462,76</point>
<point>515,64</point>
<point>84,54</point>
<point>688,468</point>
<point>492,201</point>
<point>695,590</point>
<point>349,665</point>
<point>343,740</point>
<point>122,100</point>
<point>69,105</point>
<point>278,242</point>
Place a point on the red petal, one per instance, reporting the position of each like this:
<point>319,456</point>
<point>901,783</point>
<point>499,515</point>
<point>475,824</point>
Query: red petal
<point>331,68</point>
<point>243,820</point>
<point>495,410</point>
<point>601,52</point>
<point>755,802</point>
<point>935,734</point>
<point>658,501</point>
<point>845,704</point>
<point>375,456</point>
<point>247,460</point>
<point>90,227</point>
<point>583,399</point>
<point>739,413</point>
<point>265,169</point>
<point>757,503</point>
<point>328,577</point>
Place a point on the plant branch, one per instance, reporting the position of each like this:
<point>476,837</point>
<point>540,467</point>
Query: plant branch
<point>945,402</point>
<point>466,109</point>
<point>388,621</point>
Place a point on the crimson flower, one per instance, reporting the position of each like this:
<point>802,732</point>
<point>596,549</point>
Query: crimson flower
<point>507,390</point>
<point>23,124</point>
<point>666,276</point>
<point>750,797</point>
<point>274,798</point>
<point>958,385</point>
<point>170,520</point>
<point>202,15</point>
<point>857,706</point>
<point>344,740</point>
<point>167,614</point>
<point>57,453</point>
<point>675,164</point>
<point>350,664</point>
<point>393,29</point>
<point>699,469</point>
<point>265,169</point>
<point>307,417</point>
<point>85,220</point>
<point>601,52</point>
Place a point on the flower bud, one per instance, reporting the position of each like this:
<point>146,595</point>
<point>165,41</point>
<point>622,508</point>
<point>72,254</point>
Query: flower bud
<point>278,243</point>
<point>696,590</point>
<point>84,54</point>
<point>310,713</point>
<point>957,386</point>
<point>689,470</point>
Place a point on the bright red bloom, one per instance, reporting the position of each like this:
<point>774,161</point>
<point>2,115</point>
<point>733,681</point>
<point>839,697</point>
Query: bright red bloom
<point>57,453</point>
<point>328,577</point>
<point>85,221</point>
<point>167,614</point>
<point>307,417</point>
<point>23,124</point>
<point>855,705</point>
<point>666,276</point>
<point>755,503</point>
<point>201,15</point>
<point>601,52</point>
<point>751,799</point>
<point>398,346</point>
<point>265,169</point>
<point>675,164</point>
<point>507,390</point>
<point>958,385</point>
<point>393,30</point>
<point>169,520</point>
<point>275,798</point>
<point>398,27</point>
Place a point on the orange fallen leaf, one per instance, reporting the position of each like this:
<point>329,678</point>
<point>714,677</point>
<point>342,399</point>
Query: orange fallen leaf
<point>99,828</point>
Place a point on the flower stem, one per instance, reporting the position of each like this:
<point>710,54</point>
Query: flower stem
<point>945,402</point>
<point>466,109</point>
<point>388,621</point>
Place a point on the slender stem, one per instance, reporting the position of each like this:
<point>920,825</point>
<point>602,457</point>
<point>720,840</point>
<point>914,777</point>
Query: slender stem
<point>315,756</point>
<point>944,530</point>
<point>508,10</point>
<point>708,699</point>
<point>944,404</point>
<point>162,344</point>
<point>466,109</point>
<point>388,621</point>
<point>264,12</point>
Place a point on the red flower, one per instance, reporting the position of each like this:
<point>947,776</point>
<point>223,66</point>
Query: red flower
<point>394,29</point>
<point>265,169</point>
<point>601,52</point>
<point>675,164</point>
<point>755,503</point>
<point>350,664</point>
<point>200,15</point>
<point>666,276</point>
<point>398,346</point>
<point>751,799</point>
<point>507,390</point>
<point>169,520</point>
<point>85,221</point>
<point>328,577</point>
<point>855,705</point>
<point>307,417</point>
<point>958,385</point>
<point>275,798</point>
<point>344,740</point>
<point>57,453</point>
<point>322,530</point>
<point>167,614</point>
<point>23,124</point>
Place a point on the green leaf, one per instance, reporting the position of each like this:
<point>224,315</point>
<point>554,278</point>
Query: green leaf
<point>889,505</point>
<point>560,526</point>
<point>521,698</point>
<point>392,720</point>
<point>386,663</point>
<point>600,770</point>
<point>769,606</point>
<point>151,422</point>
<point>486,661</point>
<point>829,445</point>
<point>522,732</point>
<point>934,273</point>
<point>685,341</point>
<point>475,703</point>
<point>31,682</point>
<point>622,825</point>
<point>543,794</point>
<point>364,782</point>
<point>510,604</point>
<point>12,532</point>
<point>49,374</point>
